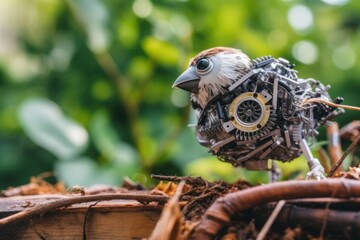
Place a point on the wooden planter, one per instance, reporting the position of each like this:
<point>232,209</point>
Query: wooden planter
<point>116,219</point>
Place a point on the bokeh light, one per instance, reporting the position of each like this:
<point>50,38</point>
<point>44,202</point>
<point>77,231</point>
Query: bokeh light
<point>277,39</point>
<point>300,17</point>
<point>335,2</point>
<point>344,57</point>
<point>142,8</point>
<point>305,52</point>
<point>179,98</point>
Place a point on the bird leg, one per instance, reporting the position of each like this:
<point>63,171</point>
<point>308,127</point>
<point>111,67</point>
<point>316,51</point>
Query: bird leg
<point>316,170</point>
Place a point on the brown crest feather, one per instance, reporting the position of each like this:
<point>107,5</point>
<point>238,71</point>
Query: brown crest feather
<point>211,52</point>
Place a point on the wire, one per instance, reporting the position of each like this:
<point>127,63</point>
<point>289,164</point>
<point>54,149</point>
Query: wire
<point>331,104</point>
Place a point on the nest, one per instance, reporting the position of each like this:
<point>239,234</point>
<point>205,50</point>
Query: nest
<point>297,209</point>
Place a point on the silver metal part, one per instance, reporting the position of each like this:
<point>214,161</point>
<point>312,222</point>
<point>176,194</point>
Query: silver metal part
<point>228,126</point>
<point>266,95</point>
<point>247,76</point>
<point>306,150</point>
<point>290,81</point>
<point>275,93</point>
<point>316,170</point>
<point>284,61</point>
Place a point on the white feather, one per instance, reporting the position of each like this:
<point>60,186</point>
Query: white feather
<point>228,67</point>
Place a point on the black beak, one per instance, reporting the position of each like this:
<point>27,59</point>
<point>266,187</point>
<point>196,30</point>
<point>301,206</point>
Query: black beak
<point>188,80</point>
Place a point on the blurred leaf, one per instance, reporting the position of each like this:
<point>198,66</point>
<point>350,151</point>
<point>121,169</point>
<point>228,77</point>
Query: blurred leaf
<point>254,177</point>
<point>46,125</point>
<point>140,69</point>
<point>317,145</point>
<point>211,169</point>
<point>187,149</point>
<point>76,172</point>
<point>161,51</point>
<point>85,172</point>
<point>10,156</point>
<point>147,148</point>
<point>102,133</point>
<point>128,30</point>
<point>108,143</point>
<point>297,168</point>
<point>125,155</point>
<point>101,90</point>
<point>227,18</point>
<point>93,16</point>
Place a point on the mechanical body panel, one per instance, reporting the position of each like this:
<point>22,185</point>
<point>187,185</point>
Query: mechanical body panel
<point>264,115</point>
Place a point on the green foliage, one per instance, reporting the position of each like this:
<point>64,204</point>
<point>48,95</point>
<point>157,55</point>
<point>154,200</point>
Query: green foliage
<point>85,85</point>
<point>46,126</point>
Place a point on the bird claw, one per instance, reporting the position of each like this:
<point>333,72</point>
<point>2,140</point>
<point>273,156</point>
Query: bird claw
<point>317,173</point>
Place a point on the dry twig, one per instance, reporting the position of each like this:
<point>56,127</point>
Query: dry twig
<point>271,220</point>
<point>86,218</point>
<point>169,224</point>
<point>341,160</point>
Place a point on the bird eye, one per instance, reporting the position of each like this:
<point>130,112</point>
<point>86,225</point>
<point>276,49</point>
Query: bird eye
<point>204,65</point>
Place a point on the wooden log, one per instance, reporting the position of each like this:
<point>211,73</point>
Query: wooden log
<point>116,219</point>
<point>315,220</point>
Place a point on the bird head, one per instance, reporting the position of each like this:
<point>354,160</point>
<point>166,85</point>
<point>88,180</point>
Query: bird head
<point>211,72</point>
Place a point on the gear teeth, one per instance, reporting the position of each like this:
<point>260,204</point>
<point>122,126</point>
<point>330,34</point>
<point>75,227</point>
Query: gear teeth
<point>262,61</point>
<point>269,126</point>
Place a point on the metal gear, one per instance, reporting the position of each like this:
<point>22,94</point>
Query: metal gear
<point>249,112</point>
